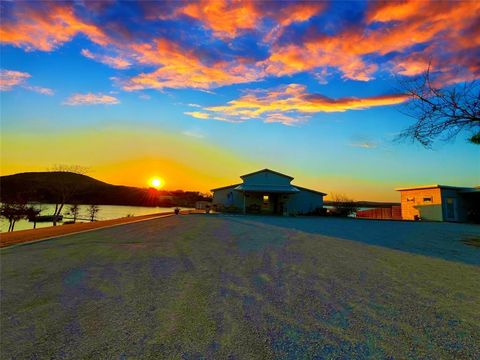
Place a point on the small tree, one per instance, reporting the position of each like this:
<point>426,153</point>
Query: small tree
<point>92,212</point>
<point>441,112</point>
<point>342,205</point>
<point>74,211</point>
<point>13,212</point>
<point>31,214</point>
<point>64,188</point>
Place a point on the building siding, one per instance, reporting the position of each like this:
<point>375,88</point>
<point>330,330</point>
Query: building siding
<point>227,197</point>
<point>304,202</point>
<point>412,200</point>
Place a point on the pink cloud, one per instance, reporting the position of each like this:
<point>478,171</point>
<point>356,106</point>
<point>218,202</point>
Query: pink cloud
<point>39,89</point>
<point>112,61</point>
<point>91,99</point>
<point>11,78</point>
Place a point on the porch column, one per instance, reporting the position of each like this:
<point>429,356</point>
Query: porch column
<point>244,203</point>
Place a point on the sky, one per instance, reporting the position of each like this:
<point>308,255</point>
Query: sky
<point>199,93</point>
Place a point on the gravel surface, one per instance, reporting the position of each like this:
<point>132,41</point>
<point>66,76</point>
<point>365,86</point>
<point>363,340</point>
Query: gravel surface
<point>200,286</point>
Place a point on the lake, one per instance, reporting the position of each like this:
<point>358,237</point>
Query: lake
<point>106,212</point>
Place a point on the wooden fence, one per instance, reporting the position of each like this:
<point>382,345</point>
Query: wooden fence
<point>391,213</point>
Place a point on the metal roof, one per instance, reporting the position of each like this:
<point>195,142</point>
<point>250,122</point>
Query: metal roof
<point>314,191</point>
<point>268,170</point>
<point>268,188</point>
<point>225,187</point>
<point>432,187</point>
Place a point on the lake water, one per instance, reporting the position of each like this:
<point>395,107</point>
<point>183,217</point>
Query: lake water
<point>106,212</point>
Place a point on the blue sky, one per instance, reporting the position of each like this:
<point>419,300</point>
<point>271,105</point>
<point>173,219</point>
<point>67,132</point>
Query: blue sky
<point>199,93</point>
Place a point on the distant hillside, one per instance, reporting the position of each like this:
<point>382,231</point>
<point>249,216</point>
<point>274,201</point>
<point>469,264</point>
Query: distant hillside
<point>43,187</point>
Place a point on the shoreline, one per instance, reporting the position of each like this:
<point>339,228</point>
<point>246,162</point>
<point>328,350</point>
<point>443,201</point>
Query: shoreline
<point>8,239</point>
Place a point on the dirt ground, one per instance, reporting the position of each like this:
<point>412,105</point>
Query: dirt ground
<point>200,286</point>
<point>21,236</point>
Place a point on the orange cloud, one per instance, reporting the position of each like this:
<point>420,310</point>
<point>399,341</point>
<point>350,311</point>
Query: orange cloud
<point>417,22</point>
<point>225,19</point>
<point>292,13</point>
<point>318,53</point>
<point>291,104</point>
<point>114,62</point>
<point>182,68</point>
<point>11,78</point>
<point>46,29</point>
<point>91,99</point>
<point>445,28</point>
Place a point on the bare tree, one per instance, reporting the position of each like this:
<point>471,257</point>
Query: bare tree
<point>342,205</point>
<point>92,212</point>
<point>441,112</point>
<point>63,187</point>
<point>74,211</point>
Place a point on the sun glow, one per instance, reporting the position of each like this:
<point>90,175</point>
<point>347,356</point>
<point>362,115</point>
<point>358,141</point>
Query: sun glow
<point>157,182</point>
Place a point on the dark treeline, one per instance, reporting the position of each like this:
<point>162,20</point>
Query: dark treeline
<point>46,187</point>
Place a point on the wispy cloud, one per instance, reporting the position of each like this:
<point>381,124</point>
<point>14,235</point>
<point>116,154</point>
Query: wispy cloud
<point>112,61</point>
<point>290,105</point>
<point>194,134</point>
<point>364,144</point>
<point>197,114</point>
<point>40,89</point>
<point>12,78</point>
<point>91,99</point>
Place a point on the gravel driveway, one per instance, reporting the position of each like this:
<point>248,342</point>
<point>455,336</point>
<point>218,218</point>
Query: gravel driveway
<point>201,286</point>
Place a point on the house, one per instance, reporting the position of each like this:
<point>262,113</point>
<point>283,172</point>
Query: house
<point>440,203</point>
<point>267,192</point>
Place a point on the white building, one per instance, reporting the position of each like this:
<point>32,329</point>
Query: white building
<point>267,192</point>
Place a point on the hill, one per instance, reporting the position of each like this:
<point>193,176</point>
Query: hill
<point>50,187</point>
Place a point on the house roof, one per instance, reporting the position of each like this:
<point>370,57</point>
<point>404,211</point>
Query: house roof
<point>268,188</point>
<point>314,191</point>
<point>225,187</point>
<point>432,187</point>
<point>271,171</point>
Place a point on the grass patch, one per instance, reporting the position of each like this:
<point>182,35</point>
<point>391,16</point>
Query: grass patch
<point>473,241</point>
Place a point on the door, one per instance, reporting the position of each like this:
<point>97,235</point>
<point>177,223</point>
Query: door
<point>451,213</point>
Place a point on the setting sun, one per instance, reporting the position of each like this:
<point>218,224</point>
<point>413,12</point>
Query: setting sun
<point>157,183</point>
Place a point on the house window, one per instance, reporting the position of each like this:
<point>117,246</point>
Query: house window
<point>265,198</point>
<point>410,198</point>
<point>427,199</point>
